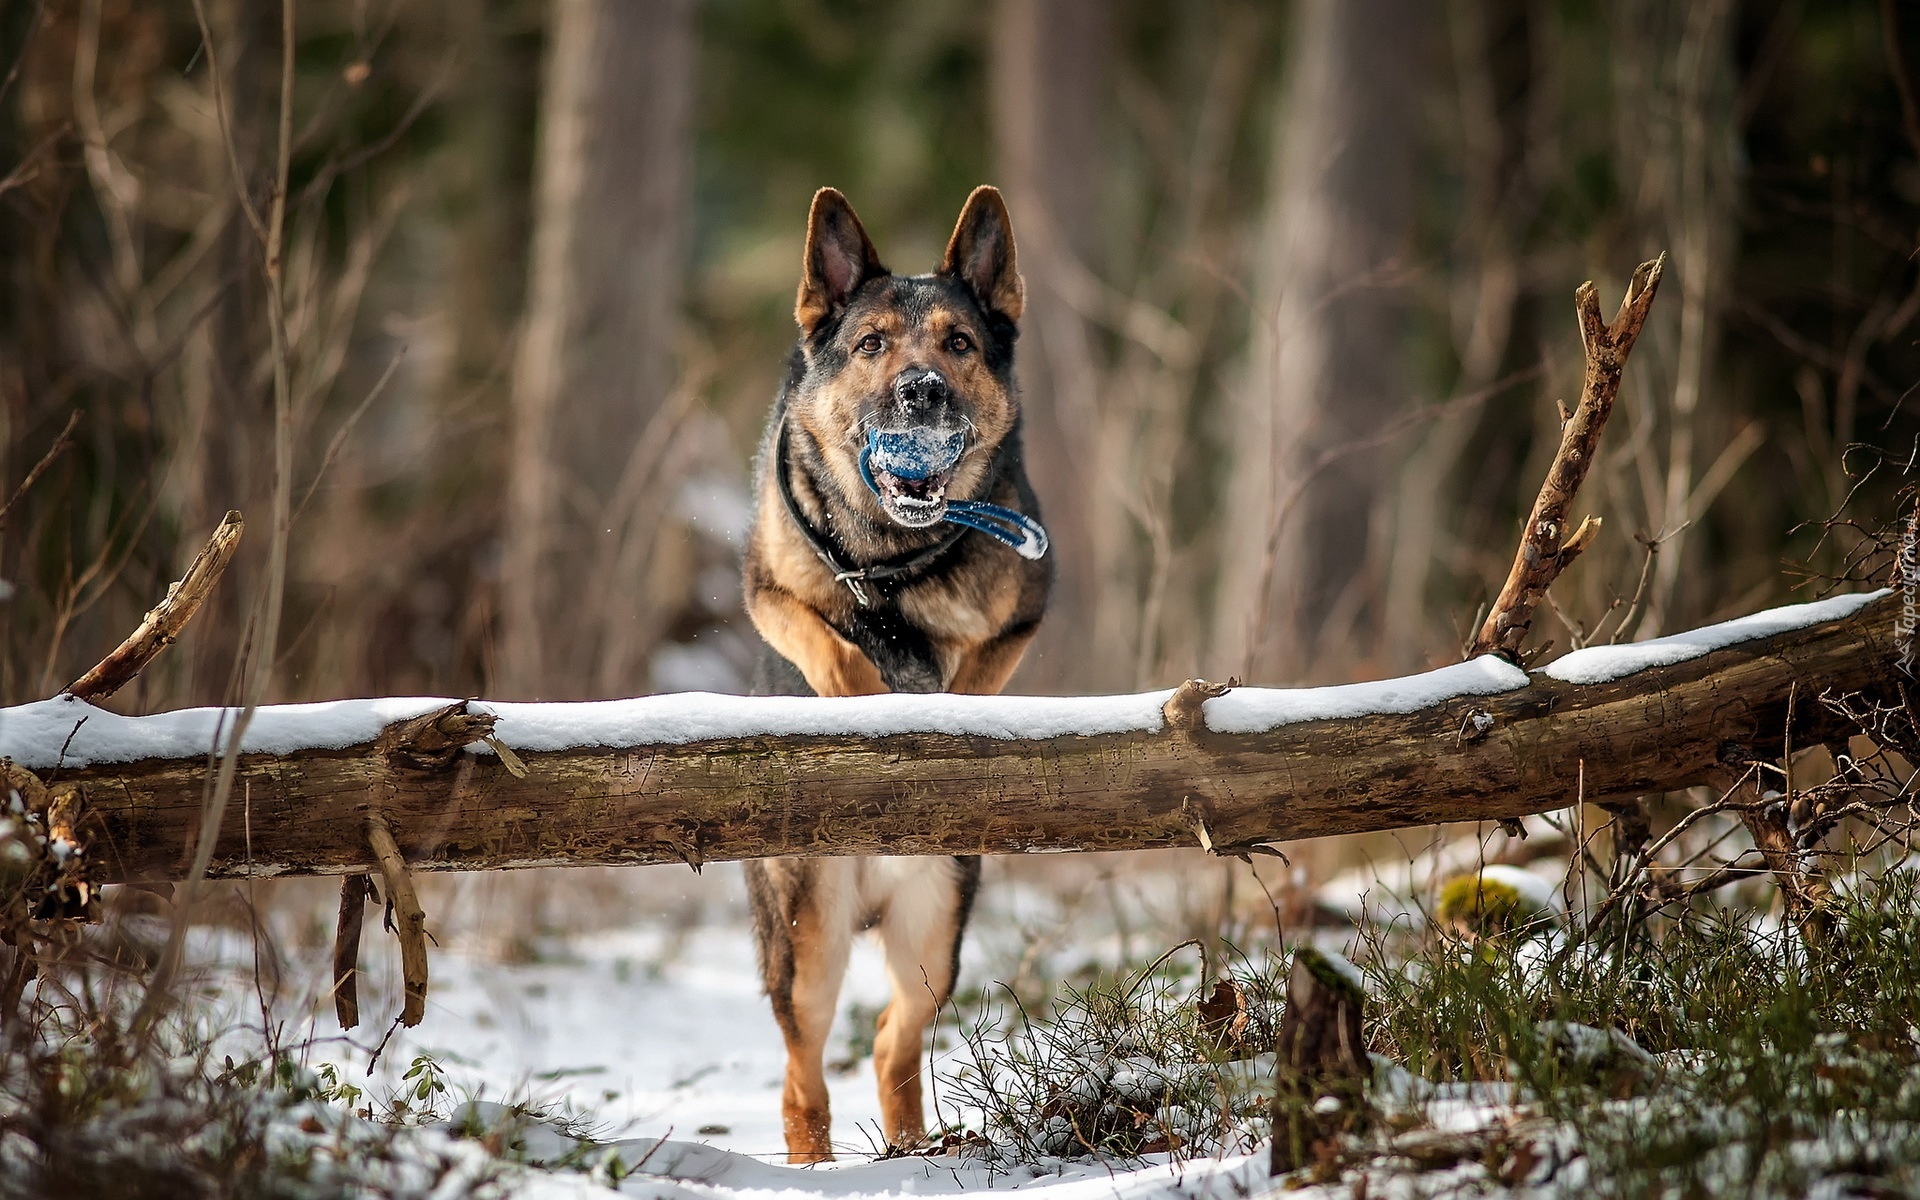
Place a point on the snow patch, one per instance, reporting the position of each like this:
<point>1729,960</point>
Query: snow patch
<point>1256,710</point>
<point>1536,893</point>
<point>34,734</point>
<point>1604,664</point>
<point>701,716</point>
<point>69,732</point>
<point>1341,966</point>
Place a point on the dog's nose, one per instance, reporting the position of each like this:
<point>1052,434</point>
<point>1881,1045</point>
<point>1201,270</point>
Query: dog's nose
<point>919,390</point>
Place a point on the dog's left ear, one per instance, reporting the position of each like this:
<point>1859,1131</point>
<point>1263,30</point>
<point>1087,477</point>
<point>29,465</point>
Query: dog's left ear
<point>980,254</point>
<point>839,259</point>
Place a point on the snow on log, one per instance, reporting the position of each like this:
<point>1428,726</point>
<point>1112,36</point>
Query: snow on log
<point>699,778</point>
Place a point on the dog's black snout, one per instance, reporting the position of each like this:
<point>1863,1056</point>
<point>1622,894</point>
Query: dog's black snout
<point>920,390</point>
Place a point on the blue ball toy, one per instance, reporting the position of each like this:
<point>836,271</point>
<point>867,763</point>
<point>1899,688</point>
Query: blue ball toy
<point>913,453</point>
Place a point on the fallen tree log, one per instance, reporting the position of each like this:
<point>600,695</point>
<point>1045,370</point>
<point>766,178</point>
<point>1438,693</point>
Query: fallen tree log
<point>698,779</point>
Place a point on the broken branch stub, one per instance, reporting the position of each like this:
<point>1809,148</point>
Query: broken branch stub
<point>411,751</point>
<point>1546,546</point>
<point>1320,1091</point>
<point>346,950</point>
<point>1183,710</point>
<point>430,742</point>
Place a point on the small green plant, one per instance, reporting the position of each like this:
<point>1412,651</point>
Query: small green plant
<point>422,1088</point>
<point>335,1090</point>
<point>89,1108</point>
<point>1715,1054</point>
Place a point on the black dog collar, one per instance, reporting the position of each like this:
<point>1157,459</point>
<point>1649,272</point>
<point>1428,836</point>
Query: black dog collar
<point>900,567</point>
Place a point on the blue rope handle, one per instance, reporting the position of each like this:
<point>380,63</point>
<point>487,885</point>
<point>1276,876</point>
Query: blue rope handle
<point>1024,535</point>
<point>912,456</point>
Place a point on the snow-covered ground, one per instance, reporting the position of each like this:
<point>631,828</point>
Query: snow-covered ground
<point>625,1005</point>
<point>651,1026</point>
<point>656,1031</point>
<point>691,1172</point>
<point>655,1028</point>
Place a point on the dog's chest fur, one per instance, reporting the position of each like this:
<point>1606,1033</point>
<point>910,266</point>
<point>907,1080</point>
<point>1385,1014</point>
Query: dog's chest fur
<point>914,633</point>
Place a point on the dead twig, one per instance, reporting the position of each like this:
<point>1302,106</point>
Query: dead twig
<point>60,446</point>
<point>165,620</point>
<point>28,168</point>
<point>346,949</point>
<point>1545,547</point>
<point>409,919</point>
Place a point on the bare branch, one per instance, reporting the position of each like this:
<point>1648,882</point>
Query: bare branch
<point>346,950</point>
<point>165,620</point>
<point>1544,544</point>
<point>60,446</point>
<point>410,920</point>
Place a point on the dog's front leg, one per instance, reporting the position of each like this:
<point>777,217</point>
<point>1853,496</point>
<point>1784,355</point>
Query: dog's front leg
<point>985,669</point>
<point>832,665</point>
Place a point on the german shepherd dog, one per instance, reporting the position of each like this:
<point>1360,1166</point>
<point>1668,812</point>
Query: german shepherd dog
<point>895,547</point>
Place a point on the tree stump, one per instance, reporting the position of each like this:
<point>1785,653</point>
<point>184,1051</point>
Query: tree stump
<point>1320,1090</point>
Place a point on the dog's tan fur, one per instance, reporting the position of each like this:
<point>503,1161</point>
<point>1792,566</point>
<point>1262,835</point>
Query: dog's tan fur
<point>969,622</point>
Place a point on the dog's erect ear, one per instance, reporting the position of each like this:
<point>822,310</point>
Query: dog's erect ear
<point>980,254</point>
<point>839,259</point>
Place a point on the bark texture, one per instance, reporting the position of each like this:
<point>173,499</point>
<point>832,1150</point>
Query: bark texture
<point>1532,750</point>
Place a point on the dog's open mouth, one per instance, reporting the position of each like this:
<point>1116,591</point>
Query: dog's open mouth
<point>915,503</point>
<point>909,470</point>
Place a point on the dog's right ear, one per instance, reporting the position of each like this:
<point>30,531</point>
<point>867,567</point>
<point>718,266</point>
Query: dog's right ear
<point>839,259</point>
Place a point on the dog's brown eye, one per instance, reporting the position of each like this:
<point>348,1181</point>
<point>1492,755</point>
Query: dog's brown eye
<point>870,344</point>
<point>959,343</point>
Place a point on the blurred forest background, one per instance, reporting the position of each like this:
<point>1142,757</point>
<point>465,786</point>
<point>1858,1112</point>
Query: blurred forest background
<point>1301,284</point>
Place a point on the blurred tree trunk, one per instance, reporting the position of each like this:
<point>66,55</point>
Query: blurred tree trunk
<point>1496,150</point>
<point>596,354</point>
<point>227,421</point>
<point>1049,85</point>
<point>424,613</point>
<point>1324,369</point>
<point>1677,145</point>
